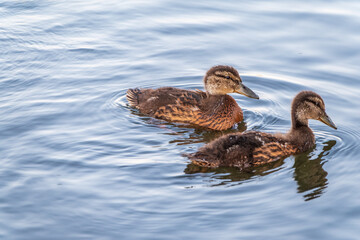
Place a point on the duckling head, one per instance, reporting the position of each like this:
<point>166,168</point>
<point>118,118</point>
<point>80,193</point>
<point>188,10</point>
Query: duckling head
<point>220,80</point>
<point>309,105</point>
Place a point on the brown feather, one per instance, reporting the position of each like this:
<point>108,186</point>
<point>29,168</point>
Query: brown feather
<point>218,112</point>
<point>255,148</point>
<point>243,150</point>
<point>213,109</point>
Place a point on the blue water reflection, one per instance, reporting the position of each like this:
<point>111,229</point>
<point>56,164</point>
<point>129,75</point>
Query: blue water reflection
<point>78,163</point>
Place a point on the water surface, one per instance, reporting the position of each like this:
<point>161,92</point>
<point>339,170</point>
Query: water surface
<point>78,163</point>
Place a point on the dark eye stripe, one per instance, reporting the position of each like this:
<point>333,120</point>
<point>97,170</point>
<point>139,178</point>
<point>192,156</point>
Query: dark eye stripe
<point>313,102</point>
<point>227,77</point>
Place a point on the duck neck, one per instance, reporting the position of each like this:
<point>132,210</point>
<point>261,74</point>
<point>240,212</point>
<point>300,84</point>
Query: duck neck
<point>214,101</point>
<point>298,119</point>
<point>300,133</point>
<point>215,95</point>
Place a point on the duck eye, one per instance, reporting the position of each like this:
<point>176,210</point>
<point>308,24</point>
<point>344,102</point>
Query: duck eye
<point>227,77</point>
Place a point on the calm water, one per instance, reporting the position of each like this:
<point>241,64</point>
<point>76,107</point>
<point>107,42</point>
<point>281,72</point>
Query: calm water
<point>77,163</point>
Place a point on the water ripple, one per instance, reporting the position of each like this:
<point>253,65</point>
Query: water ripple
<point>75,155</point>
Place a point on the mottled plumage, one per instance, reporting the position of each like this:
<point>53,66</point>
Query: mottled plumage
<point>254,148</point>
<point>212,109</point>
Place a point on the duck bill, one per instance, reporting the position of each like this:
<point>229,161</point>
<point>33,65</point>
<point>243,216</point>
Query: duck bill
<point>327,120</point>
<point>244,90</point>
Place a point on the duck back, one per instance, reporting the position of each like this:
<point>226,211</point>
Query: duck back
<point>217,112</point>
<point>243,150</point>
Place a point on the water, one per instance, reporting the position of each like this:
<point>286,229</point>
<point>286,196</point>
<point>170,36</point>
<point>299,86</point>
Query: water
<point>77,163</point>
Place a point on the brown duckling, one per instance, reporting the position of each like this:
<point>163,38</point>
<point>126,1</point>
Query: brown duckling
<point>254,148</point>
<point>213,109</point>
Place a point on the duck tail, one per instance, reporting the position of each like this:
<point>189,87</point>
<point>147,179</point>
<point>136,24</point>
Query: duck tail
<point>132,95</point>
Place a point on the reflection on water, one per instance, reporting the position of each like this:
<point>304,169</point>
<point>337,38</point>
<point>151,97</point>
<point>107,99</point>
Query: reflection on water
<point>231,175</point>
<point>187,133</point>
<point>79,164</point>
<point>202,135</point>
<point>308,173</point>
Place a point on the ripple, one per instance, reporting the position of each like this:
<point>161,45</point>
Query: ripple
<point>115,109</point>
<point>75,155</point>
<point>347,141</point>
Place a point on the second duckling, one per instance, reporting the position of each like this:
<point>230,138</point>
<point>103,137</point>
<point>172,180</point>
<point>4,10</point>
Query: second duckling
<point>253,148</point>
<point>213,109</point>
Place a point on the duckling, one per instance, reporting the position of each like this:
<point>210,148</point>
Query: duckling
<point>254,148</point>
<point>213,109</point>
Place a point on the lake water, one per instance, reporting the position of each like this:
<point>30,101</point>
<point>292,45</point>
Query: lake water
<point>78,163</point>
